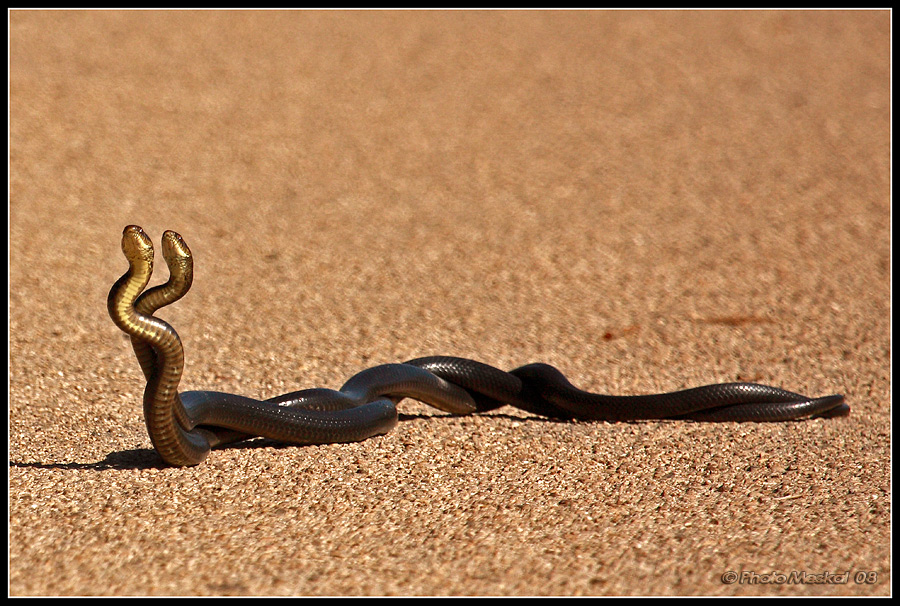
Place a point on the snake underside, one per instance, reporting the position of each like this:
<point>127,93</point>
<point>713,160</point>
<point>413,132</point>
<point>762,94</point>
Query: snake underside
<point>185,426</point>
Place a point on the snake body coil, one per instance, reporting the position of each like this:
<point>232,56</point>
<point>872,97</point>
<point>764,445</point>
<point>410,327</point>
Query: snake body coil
<point>184,427</point>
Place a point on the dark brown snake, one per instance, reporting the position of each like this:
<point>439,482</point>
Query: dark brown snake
<point>185,426</point>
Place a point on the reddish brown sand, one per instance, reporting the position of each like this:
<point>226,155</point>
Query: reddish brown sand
<point>647,200</point>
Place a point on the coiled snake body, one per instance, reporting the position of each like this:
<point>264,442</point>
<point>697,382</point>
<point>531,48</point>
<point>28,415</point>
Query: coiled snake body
<point>185,426</point>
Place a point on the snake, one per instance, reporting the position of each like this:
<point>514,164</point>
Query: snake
<point>185,426</point>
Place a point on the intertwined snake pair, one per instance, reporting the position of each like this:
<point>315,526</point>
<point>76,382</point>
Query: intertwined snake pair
<point>184,427</point>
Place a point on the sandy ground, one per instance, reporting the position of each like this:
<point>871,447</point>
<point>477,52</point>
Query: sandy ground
<point>648,201</point>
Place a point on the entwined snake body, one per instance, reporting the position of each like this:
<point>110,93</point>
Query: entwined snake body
<point>184,427</point>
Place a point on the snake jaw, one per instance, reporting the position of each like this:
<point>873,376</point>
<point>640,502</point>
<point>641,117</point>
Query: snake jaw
<point>174,248</point>
<point>137,246</point>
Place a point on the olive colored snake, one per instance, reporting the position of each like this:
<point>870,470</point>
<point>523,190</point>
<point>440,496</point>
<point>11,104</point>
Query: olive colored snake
<point>185,426</point>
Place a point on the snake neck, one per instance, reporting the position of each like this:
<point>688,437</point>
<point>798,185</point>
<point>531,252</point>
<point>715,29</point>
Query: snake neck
<point>123,294</point>
<point>168,423</point>
<point>147,304</point>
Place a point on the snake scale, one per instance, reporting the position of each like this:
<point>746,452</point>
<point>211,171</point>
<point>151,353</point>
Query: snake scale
<point>183,427</point>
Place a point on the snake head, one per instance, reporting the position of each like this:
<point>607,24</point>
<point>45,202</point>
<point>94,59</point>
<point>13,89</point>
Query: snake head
<point>178,256</point>
<point>137,245</point>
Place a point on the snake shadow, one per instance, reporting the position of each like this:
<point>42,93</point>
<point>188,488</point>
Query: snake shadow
<point>134,458</point>
<point>147,458</point>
